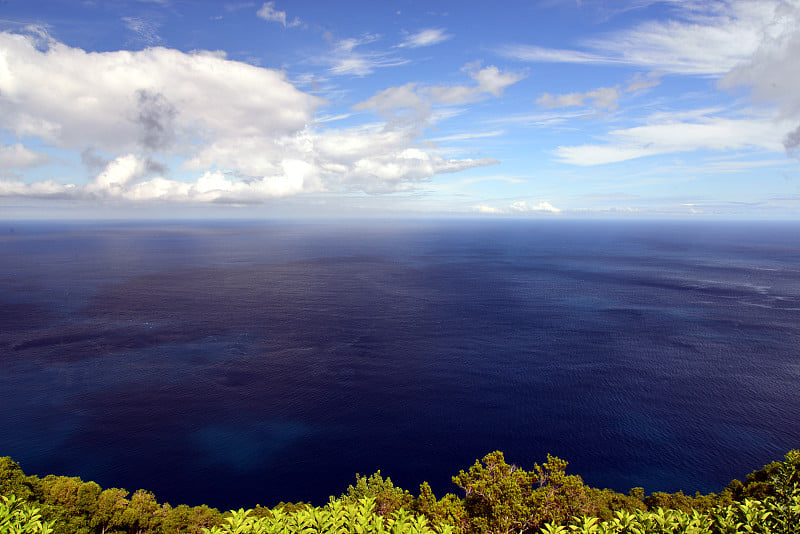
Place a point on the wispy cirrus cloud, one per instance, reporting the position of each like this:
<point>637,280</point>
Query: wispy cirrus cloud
<point>673,136</point>
<point>351,56</point>
<point>467,136</point>
<point>701,39</point>
<point>426,37</point>
<point>739,42</point>
<point>539,54</point>
<point>145,31</point>
<point>540,119</point>
<point>348,58</point>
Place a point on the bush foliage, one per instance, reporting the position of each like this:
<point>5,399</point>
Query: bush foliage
<point>495,498</point>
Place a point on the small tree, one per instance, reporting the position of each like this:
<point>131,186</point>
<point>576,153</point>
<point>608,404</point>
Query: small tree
<point>111,504</point>
<point>388,498</point>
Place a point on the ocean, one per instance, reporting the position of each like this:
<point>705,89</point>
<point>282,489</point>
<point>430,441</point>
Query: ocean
<point>231,363</point>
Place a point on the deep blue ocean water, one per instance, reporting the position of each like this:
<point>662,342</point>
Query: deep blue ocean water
<point>235,363</point>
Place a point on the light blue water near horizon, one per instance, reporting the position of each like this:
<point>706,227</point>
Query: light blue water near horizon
<point>234,363</point>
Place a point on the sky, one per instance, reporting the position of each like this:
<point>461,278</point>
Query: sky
<point>555,108</point>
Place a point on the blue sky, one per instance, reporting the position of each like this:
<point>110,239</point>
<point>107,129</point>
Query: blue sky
<point>679,108</point>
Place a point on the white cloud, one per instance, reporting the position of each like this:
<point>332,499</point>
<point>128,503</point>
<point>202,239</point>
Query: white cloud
<point>792,142</point>
<point>714,133</point>
<point>44,189</point>
<point>411,96</point>
<point>491,80</point>
<point>538,54</point>
<point>246,131</point>
<point>210,96</point>
<point>426,37</point>
<point>773,72</point>
<point>346,60</point>
<point>517,208</point>
<point>540,119</point>
<point>118,175</point>
<point>489,210</point>
<point>19,157</point>
<point>588,155</point>
<point>704,38</point>
<point>542,207</point>
<point>216,186</point>
<point>602,98</point>
<point>361,159</point>
<point>376,159</point>
<point>467,136</point>
<point>641,82</point>
<point>269,13</point>
<point>401,97</point>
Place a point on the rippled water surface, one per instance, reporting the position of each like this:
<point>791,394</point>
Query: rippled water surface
<point>252,362</point>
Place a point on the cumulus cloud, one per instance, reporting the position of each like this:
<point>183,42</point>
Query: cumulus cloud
<point>701,38</point>
<point>773,71</point>
<point>156,116</point>
<point>245,133</point>
<point>377,159</point>
<point>216,186</point>
<point>491,80</point>
<point>17,156</point>
<point>92,159</point>
<point>270,13</point>
<point>121,104</point>
<point>119,174</point>
<point>524,207</point>
<point>426,37</point>
<point>792,142</point>
<point>488,210</point>
<point>126,179</point>
<point>44,189</point>
<point>519,207</point>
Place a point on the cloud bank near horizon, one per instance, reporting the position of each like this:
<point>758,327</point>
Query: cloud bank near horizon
<point>246,131</point>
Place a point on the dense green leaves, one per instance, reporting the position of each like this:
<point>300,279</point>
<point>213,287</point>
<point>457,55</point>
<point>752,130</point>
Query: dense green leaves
<point>502,498</point>
<point>18,517</point>
<point>388,498</point>
<point>337,517</point>
<point>498,498</point>
<point>13,481</point>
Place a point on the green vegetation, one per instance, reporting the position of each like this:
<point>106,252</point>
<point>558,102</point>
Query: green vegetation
<point>496,498</point>
<point>19,517</point>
